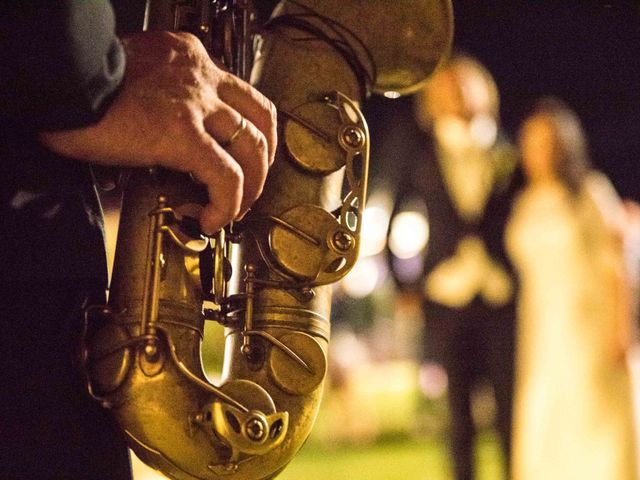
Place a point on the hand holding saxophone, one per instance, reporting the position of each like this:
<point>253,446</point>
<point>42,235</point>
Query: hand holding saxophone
<point>177,109</point>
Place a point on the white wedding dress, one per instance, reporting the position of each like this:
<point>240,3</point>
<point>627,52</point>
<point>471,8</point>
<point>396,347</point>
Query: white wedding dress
<point>573,409</point>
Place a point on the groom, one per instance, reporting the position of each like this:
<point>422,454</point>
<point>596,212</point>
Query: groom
<point>464,175</point>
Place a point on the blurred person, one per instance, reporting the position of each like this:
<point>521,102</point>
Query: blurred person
<point>573,409</point>
<point>73,93</point>
<point>464,172</point>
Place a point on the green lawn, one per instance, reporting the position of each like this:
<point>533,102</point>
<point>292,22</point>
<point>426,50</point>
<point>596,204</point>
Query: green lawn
<point>390,460</point>
<point>387,460</point>
<point>406,432</point>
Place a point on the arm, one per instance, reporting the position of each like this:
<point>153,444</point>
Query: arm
<point>609,209</point>
<point>61,63</point>
<point>623,332</point>
<point>173,107</point>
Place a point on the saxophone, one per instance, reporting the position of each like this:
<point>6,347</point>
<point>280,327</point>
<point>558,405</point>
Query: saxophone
<point>265,279</point>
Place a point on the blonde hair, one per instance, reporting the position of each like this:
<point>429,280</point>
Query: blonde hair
<point>459,69</point>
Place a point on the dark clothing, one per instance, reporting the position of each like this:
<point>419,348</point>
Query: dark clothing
<point>60,62</point>
<point>51,225</point>
<point>474,341</point>
<point>446,226</point>
<point>60,67</point>
<point>50,428</point>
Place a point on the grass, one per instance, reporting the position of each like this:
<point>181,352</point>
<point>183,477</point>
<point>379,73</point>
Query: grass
<point>390,460</point>
<point>399,459</point>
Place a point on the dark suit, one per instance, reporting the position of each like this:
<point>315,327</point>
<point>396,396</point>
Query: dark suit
<point>60,67</point>
<point>475,339</point>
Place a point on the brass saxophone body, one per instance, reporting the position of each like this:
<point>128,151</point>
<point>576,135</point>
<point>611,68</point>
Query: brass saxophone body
<point>316,60</point>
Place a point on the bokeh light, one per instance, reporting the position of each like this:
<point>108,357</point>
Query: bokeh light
<point>363,278</point>
<point>375,223</point>
<point>409,234</point>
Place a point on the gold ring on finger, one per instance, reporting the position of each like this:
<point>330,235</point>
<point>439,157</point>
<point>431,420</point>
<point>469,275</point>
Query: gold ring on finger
<point>236,134</point>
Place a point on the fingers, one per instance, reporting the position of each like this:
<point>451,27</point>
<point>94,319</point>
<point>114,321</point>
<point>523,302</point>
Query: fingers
<point>198,107</point>
<point>254,106</point>
<point>224,179</point>
<point>246,144</point>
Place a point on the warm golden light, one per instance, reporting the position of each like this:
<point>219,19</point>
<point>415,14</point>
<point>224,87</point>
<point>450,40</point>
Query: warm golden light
<point>409,234</point>
<point>374,230</point>
<point>362,279</point>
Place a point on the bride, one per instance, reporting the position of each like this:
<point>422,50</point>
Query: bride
<point>573,410</point>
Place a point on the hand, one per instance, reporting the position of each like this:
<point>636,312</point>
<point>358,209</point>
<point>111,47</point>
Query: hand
<point>177,109</point>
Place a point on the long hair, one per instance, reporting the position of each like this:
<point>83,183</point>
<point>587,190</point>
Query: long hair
<point>573,162</point>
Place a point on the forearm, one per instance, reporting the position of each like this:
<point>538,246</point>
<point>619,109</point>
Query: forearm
<point>60,65</point>
<point>622,333</point>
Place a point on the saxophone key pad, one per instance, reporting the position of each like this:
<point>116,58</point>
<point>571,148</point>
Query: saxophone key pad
<point>290,375</point>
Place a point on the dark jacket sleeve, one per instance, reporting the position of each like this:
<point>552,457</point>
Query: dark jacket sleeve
<point>60,62</point>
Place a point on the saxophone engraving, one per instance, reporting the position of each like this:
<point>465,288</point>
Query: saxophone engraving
<point>316,60</point>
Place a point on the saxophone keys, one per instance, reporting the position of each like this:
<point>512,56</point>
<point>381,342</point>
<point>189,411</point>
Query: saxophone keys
<point>109,359</point>
<point>251,431</point>
<point>310,135</point>
<point>309,244</point>
<point>292,376</point>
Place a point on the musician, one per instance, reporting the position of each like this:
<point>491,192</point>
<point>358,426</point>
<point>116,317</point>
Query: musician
<point>73,93</point>
<point>464,173</point>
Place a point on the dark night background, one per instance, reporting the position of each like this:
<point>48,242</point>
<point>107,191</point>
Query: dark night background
<point>585,52</point>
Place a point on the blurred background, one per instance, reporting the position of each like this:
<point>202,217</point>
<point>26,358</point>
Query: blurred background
<point>383,416</point>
